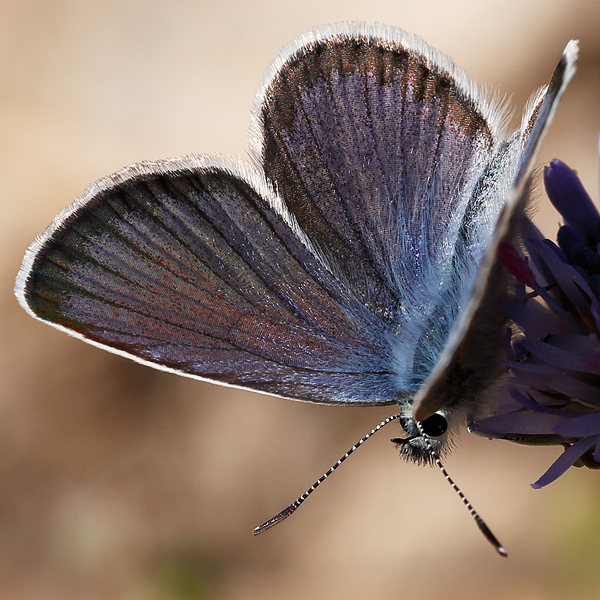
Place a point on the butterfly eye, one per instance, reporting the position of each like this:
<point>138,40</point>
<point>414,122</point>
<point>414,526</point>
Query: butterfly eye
<point>435,425</point>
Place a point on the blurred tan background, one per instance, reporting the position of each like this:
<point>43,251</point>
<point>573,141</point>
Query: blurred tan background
<point>119,482</point>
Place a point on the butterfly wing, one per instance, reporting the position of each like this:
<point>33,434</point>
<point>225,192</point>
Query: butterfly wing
<point>383,151</point>
<point>336,278</point>
<point>193,267</point>
<point>471,357</point>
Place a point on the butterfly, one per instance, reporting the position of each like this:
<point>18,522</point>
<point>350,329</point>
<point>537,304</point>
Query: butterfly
<point>352,260</point>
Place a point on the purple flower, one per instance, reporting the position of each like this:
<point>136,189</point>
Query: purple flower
<point>552,391</point>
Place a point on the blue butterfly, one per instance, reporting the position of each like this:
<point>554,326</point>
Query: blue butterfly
<point>352,261</point>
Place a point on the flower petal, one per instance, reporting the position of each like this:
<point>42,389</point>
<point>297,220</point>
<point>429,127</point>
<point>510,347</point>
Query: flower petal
<point>569,197</point>
<point>564,461</point>
<point>580,427</point>
<point>523,423</point>
<point>515,264</point>
<point>536,319</point>
<point>570,281</point>
<point>564,359</point>
<point>526,402</point>
<point>577,251</point>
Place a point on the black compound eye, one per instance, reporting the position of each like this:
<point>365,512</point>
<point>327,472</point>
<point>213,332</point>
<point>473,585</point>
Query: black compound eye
<point>435,425</point>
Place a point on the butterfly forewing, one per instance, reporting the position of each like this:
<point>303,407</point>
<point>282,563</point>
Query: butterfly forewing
<point>192,270</point>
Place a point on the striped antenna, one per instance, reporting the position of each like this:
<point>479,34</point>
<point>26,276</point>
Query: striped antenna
<point>490,537</point>
<point>286,512</point>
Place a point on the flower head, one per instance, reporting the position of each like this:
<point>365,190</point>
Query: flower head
<point>552,392</point>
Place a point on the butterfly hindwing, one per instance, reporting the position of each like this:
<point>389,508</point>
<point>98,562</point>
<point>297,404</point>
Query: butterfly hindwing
<point>396,167</point>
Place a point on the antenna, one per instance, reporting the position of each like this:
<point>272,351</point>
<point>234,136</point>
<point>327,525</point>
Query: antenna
<point>286,512</point>
<point>491,538</point>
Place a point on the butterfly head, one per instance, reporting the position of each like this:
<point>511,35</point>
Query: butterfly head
<point>428,438</point>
